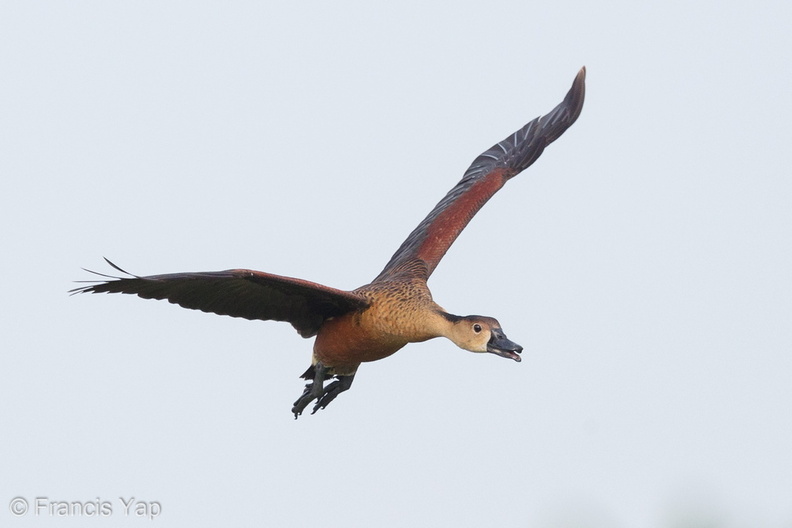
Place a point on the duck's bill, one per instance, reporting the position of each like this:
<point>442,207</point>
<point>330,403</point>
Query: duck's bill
<point>501,346</point>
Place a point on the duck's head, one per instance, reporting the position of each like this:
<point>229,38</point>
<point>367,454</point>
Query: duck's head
<point>477,333</point>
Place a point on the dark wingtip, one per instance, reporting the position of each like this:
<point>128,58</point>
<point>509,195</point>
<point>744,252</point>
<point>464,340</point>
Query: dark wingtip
<point>119,269</point>
<point>577,94</point>
<point>94,283</point>
<point>543,130</point>
<point>569,109</point>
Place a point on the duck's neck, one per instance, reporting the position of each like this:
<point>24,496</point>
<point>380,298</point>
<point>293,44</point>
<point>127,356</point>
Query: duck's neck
<point>439,323</point>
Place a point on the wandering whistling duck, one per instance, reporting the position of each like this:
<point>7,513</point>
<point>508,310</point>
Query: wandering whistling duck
<point>396,308</point>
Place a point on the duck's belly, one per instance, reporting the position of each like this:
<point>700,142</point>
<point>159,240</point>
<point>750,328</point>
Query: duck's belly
<point>344,342</point>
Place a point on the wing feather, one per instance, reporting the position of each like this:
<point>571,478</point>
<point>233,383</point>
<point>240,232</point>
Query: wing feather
<point>425,246</point>
<point>239,293</point>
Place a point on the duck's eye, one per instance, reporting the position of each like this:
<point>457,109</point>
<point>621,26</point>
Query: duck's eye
<point>477,328</point>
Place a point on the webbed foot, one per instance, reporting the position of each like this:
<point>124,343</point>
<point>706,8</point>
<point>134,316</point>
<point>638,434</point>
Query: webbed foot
<point>330,392</point>
<point>315,390</point>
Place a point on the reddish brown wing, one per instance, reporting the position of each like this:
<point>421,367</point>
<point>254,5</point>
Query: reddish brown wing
<point>240,293</point>
<point>426,245</point>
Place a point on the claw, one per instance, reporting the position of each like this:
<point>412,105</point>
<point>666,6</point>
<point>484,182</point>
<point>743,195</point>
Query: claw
<point>313,390</point>
<point>330,393</point>
<point>316,390</point>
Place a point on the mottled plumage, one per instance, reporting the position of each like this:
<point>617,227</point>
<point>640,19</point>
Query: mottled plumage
<point>396,308</point>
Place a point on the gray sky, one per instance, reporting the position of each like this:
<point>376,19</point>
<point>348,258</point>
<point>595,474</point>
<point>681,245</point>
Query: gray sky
<point>643,262</point>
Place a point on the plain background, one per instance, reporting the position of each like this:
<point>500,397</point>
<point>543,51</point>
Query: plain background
<point>643,262</point>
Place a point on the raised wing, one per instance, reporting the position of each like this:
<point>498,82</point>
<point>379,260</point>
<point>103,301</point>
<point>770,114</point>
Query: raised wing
<point>239,293</point>
<point>426,245</point>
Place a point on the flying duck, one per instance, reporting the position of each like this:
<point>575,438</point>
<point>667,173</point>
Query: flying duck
<point>373,321</point>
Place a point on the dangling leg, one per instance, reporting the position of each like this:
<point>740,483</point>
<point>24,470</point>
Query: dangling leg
<point>313,390</point>
<point>330,392</point>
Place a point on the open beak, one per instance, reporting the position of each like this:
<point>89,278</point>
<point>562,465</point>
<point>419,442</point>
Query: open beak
<point>500,345</point>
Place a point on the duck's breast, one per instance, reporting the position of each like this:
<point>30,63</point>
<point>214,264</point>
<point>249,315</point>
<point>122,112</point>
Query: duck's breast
<point>397,316</point>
